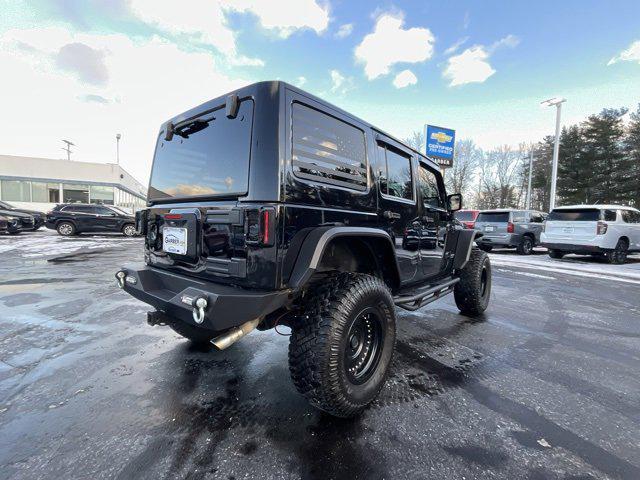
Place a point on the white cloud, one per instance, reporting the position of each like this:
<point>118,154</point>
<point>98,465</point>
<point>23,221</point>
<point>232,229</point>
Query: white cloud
<point>139,93</point>
<point>339,83</point>
<point>471,66</point>
<point>284,16</point>
<point>205,20</point>
<point>631,54</point>
<point>454,48</point>
<point>300,81</point>
<point>337,80</point>
<point>389,43</point>
<point>344,30</point>
<point>510,41</point>
<point>404,79</point>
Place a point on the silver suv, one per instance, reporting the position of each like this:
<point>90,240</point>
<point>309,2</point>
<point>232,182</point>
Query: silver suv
<point>510,228</point>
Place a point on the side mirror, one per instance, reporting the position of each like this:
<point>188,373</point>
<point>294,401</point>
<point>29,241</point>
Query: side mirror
<point>454,202</point>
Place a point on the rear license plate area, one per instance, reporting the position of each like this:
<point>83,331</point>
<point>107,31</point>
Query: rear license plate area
<point>174,240</point>
<point>489,229</point>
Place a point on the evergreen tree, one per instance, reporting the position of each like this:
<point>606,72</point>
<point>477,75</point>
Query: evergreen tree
<point>541,178</point>
<point>632,158</point>
<point>604,156</point>
<point>573,170</point>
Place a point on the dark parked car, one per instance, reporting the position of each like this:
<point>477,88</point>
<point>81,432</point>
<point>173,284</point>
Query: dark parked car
<point>38,217</point>
<point>272,207</point>
<point>70,219</point>
<point>9,224</point>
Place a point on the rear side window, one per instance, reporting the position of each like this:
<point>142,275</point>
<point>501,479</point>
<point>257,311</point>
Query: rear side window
<point>395,178</point>
<point>327,150</point>
<point>609,215</point>
<point>496,217</point>
<point>575,215</point>
<point>536,217</point>
<point>630,216</point>
<point>518,217</point>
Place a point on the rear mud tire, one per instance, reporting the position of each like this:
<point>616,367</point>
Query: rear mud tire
<point>335,371</point>
<point>196,335</point>
<point>473,291</point>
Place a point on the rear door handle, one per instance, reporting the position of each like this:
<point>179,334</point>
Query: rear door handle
<point>391,215</point>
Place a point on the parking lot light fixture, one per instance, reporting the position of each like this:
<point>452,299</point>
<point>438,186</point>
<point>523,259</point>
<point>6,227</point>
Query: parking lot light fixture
<point>557,102</point>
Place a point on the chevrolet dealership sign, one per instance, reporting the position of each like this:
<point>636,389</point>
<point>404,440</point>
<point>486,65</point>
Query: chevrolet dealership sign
<point>440,142</point>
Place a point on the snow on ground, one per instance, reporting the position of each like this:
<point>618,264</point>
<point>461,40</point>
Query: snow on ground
<point>47,243</point>
<point>576,265</point>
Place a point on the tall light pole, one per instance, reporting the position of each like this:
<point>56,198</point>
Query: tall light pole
<point>118,137</point>
<point>530,172</point>
<point>556,146</point>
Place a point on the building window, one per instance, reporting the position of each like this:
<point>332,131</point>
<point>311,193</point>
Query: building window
<point>74,193</point>
<point>101,194</point>
<point>16,190</point>
<point>42,192</point>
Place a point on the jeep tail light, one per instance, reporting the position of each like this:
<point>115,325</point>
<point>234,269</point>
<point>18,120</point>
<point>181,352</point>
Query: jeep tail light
<point>601,229</point>
<point>510,227</point>
<point>261,227</point>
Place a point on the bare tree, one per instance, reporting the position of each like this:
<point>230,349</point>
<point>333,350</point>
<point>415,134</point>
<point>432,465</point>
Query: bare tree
<point>416,140</point>
<point>465,163</point>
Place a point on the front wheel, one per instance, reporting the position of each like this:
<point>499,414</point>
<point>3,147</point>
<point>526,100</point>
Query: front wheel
<point>66,229</point>
<point>129,230</point>
<point>342,344</point>
<point>473,291</point>
<point>556,254</point>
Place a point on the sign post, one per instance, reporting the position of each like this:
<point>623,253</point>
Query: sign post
<point>440,144</point>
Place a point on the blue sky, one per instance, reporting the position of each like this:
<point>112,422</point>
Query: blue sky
<point>97,68</point>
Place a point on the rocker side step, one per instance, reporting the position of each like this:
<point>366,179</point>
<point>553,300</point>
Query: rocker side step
<point>422,296</point>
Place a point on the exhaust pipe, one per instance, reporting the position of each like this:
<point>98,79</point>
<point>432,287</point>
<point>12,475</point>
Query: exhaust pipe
<point>232,336</point>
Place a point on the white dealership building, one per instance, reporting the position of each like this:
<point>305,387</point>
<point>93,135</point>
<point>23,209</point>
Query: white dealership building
<point>41,183</point>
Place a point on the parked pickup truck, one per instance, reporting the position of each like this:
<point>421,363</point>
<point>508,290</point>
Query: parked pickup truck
<point>519,229</point>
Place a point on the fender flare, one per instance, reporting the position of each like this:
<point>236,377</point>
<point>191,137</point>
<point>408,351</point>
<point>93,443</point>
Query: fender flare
<point>316,241</point>
<point>466,238</point>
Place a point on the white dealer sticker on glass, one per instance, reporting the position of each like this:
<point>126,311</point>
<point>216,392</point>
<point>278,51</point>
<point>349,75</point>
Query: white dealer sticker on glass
<point>174,240</point>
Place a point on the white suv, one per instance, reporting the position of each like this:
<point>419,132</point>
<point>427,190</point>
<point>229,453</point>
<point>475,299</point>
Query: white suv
<point>608,230</point>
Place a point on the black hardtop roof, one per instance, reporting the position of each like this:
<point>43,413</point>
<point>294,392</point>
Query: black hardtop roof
<point>276,86</point>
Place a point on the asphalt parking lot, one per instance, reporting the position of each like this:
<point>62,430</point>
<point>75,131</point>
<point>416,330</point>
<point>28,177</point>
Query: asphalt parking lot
<point>545,386</point>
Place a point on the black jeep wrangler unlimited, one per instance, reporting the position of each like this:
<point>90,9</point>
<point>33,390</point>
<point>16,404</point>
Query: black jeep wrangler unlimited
<point>270,207</point>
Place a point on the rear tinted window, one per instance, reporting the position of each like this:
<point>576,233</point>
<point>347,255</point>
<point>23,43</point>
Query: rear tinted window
<point>518,217</point>
<point>208,157</point>
<point>493,217</point>
<point>575,215</point>
<point>630,216</point>
<point>327,150</point>
<point>464,216</point>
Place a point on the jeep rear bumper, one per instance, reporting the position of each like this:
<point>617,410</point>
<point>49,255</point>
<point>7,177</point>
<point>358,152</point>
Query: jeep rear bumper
<point>175,294</point>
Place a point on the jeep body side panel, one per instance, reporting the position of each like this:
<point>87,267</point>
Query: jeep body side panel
<point>320,139</point>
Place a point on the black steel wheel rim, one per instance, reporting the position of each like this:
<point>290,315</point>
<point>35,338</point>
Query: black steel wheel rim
<point>528,245</point>
<point>363,349</point>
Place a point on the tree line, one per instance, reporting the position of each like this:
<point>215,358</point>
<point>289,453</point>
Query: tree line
<point>599,162</point>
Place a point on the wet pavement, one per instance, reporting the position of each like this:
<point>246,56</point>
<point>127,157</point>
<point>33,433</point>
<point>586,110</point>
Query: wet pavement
<point>545,386</point>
